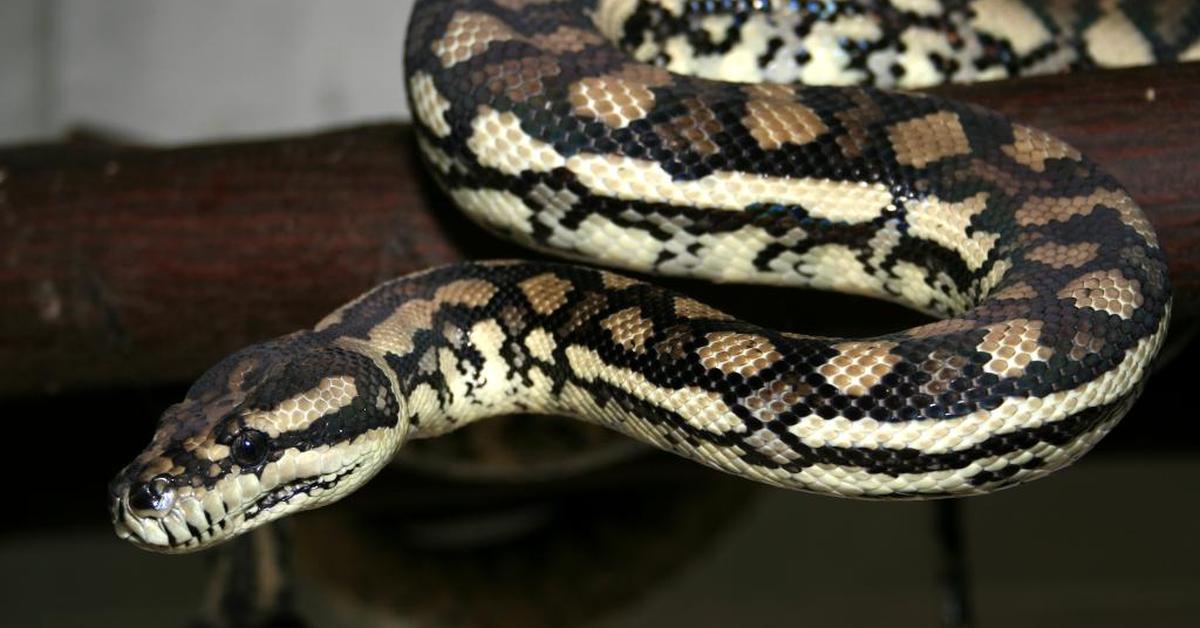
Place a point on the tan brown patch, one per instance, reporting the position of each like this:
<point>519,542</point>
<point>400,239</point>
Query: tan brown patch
<point>613,281</point>
<point>566,39</point>
<point>693,131</point>
<point>942,328</point>
<point>857,122</point>
<point>691,308</point>
<point>300,411</point>
<point>469,34</point>
<point>774,118</point>
<point>613,100</point>
<point>591,305</point>
<point>394,334</point>
<point>519,79</point>
<point>732,352</point>
<point>469,292</point>
<point>1039,210</point>
<point>1105,290</point>
<point>629,329</point>
<point>1032,148</point>
<point>925,140</point>
<point>674,342</point>
<point>513,318</point>
<point>987,171</point>
<point>546,292</point>
<point>1042,210</point>
<point>1013,345</point>
<point>777,397</point>
<point>1084,343</point>
<point>1017,291</point>
<point>859,365</point>
<point>205,447</point>
<point>943,367</point>
<point>769,91</point>
<point>648,75</point>
<point>236,381</point>
<point>1057,255</point>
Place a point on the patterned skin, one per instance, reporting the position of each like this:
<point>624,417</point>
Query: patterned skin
<point>1050,283</point>
<point>903,43</point>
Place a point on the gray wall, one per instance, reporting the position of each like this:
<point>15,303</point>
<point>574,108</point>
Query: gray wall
<point>181,70</point>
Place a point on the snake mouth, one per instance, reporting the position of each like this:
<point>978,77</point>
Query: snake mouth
<point>285,493</point>
<point>190,526</point>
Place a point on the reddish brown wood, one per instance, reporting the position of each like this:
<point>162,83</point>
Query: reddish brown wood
<point>126,266</point>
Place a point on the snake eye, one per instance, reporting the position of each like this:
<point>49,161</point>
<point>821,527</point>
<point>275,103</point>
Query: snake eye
<point>249,447</point>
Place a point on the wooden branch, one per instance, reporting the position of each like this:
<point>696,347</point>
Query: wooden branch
<point>131,266</point>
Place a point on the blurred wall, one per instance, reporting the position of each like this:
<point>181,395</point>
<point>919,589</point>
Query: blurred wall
<point>181,70</point>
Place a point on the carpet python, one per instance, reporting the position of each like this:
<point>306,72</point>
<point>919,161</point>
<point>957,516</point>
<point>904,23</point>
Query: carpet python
<point>620,132</point>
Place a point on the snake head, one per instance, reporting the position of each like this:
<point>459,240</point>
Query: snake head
<point>283,426</point>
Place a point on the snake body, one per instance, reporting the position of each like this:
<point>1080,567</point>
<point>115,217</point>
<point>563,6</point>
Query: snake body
<point>1049,282</point>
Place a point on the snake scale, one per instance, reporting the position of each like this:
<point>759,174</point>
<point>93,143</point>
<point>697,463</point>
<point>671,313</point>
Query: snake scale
<point>619,132</point>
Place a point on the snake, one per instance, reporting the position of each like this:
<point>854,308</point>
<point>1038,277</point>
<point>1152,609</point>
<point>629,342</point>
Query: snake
<point>639,135</point>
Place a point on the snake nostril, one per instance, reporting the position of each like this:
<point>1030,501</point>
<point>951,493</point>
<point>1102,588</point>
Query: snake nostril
<point>151,498</point>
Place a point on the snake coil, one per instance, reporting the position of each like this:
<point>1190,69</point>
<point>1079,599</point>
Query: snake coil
<point>571,128</point>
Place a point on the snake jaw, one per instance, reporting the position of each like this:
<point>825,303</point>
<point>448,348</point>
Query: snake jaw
<point>168,515</point>
<point>1055,289</point>
<point>197,521</point>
